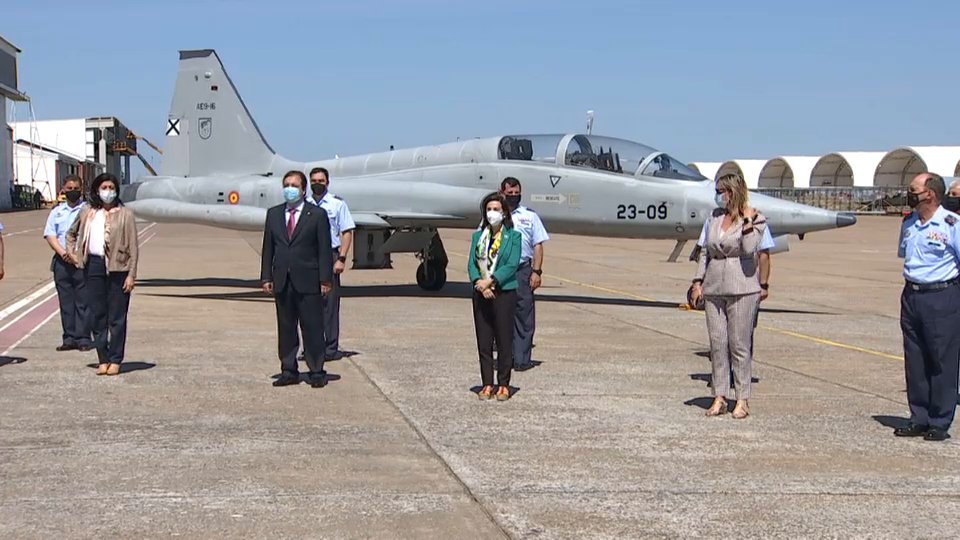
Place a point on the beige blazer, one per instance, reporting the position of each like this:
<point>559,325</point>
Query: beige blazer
<point>122,245</point>
<point>730,266</point>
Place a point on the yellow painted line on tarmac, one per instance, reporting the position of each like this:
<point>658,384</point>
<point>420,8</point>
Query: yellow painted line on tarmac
<point>832,343</point>
<point>686,308</point>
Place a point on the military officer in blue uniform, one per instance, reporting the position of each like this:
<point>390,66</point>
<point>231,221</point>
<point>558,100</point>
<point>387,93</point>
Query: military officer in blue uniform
<point>528,274</point>
<point>71,292</point>
<point>341,237</point>
<point>930,309</point>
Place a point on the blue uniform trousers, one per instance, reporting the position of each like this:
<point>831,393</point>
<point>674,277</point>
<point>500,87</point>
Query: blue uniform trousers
<point>930,321</point>
<point>525,318</point>
<point>72,296</point>
<point>331,315</point>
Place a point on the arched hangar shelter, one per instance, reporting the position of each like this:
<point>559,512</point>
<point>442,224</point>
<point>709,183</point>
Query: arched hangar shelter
<point>786,172</point>
<point>706,168</point>
<point>899,166</point>
<point>748,168</point>
<point>845,169</point>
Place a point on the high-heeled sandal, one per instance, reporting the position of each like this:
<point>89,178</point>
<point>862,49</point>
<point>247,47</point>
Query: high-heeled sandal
<point>742,410</point>
<point>114,369</point>
<point>719,407</point>
<point>503,394</point>
<point>486,393</point>
<point>102,369</point>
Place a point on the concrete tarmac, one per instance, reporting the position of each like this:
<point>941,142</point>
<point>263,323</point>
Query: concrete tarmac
<point>605,437</point>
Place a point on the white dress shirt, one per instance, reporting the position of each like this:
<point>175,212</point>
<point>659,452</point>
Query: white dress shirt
<point>296,217</point>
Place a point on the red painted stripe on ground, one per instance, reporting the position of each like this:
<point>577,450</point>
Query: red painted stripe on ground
<point>27,322</point>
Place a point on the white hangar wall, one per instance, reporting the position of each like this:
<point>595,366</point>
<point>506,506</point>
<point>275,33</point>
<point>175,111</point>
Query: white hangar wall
<point>708,169</point>
<point>749,169</point>
<point>787,172</point>
<point>900,165</point>
<point>892,169</point>
<point>845,169</point>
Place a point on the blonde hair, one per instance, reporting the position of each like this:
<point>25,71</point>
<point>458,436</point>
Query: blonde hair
<point>738,196</point>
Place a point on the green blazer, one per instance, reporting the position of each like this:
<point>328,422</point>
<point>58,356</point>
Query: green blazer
<point>505,271</point>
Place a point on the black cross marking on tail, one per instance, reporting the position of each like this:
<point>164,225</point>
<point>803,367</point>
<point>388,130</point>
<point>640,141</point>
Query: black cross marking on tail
<point>173,126</point>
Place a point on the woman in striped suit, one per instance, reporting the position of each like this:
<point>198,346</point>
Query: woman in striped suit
<point>728,281</point>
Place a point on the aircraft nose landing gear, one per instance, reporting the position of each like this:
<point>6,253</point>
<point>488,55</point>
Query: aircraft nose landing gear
<point>432,272</point>
<point>431,275</point>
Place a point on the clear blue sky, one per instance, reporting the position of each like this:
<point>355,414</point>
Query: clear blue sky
<point>704,80</point>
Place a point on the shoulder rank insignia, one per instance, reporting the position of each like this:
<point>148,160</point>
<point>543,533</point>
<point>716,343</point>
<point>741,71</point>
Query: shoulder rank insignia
<point>337,197</point>
<point>951,220</point>
<point>907,216</point>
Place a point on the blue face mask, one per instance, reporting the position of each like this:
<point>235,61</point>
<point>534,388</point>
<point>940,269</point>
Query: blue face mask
<point>291,194</point>
<point>721,203</point>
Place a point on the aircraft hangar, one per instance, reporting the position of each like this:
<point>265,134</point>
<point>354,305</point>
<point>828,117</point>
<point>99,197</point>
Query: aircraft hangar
<point>893,168</point>
<point>9,91</point>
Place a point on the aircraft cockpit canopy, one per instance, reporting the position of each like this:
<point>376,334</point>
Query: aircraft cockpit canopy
<point>609,154</point>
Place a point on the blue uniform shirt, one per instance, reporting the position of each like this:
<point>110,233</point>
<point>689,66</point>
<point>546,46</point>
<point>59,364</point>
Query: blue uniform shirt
<point>765,243</point>
<point>60,220</point>
<point>931,251</point>
<point>531,228</point>
<point>339,215</point>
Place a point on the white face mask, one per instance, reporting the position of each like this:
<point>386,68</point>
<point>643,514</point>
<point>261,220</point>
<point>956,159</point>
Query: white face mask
<point>495,217</point>
<point>107,195</point>
<point>721,202</point>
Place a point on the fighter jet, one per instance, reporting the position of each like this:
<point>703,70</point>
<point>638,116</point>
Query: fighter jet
<point>219,170</point>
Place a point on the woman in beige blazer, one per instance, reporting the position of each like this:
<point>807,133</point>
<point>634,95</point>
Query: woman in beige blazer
<point>103,242</point>
<point>728,281</point>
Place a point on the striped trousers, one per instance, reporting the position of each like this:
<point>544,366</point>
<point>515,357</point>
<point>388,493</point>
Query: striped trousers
<point>730,321</point>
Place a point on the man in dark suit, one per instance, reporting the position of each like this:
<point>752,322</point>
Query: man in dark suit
<point>296,267</point>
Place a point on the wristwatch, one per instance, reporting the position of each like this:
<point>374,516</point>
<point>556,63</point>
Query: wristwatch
<point>764,286</point>
<point>341,258</point>
<point>538,272</point>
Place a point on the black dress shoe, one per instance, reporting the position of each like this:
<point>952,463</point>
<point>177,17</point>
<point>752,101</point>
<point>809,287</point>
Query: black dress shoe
<point>66,347</point>
<point>936,434</point>
<point>318,381</point>
<point>913,430</point>
<point>287,379</point>
<point>85,348</point>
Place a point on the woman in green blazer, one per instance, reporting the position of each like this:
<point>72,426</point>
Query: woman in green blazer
<point>494,258</point>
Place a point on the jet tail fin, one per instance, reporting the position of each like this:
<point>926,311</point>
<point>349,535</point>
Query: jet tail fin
<point>209,130</point>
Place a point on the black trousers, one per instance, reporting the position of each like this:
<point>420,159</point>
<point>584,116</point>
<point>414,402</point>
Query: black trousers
<point>494,319</point>
<point>295,308</point>
<point>72,296</point>
<point>930,321</point>
<point>108,309</point>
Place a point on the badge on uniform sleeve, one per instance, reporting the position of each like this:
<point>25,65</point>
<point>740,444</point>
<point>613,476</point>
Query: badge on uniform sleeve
<point>951,221</point>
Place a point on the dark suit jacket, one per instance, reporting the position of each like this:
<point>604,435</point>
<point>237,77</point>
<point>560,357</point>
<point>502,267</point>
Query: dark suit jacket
<point>307,258</point>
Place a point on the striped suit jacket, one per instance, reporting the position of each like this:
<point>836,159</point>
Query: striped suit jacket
<point>730,266</point>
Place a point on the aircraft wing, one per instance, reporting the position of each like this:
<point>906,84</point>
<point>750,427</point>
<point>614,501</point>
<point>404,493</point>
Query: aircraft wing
<point>393,219</point>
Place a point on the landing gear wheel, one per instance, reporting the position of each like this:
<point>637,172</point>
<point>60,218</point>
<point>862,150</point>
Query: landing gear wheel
<point>431,276</point>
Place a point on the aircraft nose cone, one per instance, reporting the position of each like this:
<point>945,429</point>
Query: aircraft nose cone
<point>846,220</point>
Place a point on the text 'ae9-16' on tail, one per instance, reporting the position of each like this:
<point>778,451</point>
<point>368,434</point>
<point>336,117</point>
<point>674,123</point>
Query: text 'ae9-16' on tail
<point>219,170</point>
